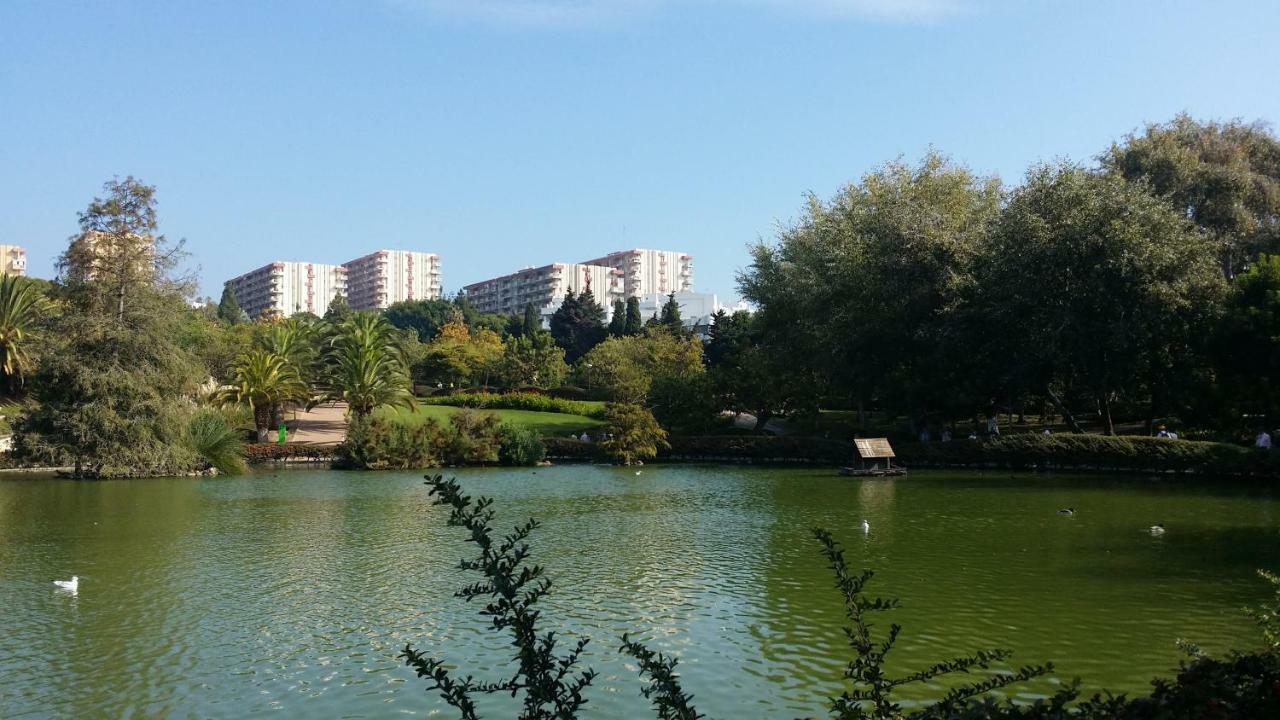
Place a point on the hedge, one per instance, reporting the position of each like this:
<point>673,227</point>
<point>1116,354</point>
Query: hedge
<point>518,401</point>
<point>1094,452</point>
<point>258,453</point>
<point>722,448</point>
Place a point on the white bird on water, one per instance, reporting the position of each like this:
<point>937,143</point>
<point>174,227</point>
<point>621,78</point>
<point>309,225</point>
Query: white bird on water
<point>639,471</point>
<point>73,584</point>
<point>866,526</point>
<point>1156,529</point>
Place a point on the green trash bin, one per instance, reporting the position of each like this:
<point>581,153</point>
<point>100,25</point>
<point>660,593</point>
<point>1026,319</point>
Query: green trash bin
<point>283,433</point>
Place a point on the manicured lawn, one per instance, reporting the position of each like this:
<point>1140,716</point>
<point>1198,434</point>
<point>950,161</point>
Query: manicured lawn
<point>549,424</point>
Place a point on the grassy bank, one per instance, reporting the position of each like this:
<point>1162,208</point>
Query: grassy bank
<point>549,424</point>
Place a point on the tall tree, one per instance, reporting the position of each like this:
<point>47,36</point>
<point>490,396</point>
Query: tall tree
<point>635,323</point>
<point>1092,282</point>
<point>425,317</point>
<point>115,397</point>
<point>118,252</point>
<point>857,292</point>
<point>670,317</point>
<point>618,323</point>
<point>578,324</point>
<point>1224,176</point>
<point>532,321</point>
<point>229,310</point>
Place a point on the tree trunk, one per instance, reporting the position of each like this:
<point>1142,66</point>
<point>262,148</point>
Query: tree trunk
<point>1108,426</point>
<point>762,418</point>
<point>862,415</point>
<point>1067,417</point>
<point>262,420</point>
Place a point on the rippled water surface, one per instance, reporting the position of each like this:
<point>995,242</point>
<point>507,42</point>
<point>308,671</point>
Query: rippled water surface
<point>289,594</point>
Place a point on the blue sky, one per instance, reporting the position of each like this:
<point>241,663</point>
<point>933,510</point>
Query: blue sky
<point>506,133</point>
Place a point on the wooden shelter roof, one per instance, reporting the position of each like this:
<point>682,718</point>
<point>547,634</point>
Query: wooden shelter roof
<point>871,448</point>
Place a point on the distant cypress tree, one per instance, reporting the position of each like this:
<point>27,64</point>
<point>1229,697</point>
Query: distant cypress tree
<point>229,310</point>
<point>634,324</point>
<point>670,317</point>
<point>618,323</point>
<point>532,321</point>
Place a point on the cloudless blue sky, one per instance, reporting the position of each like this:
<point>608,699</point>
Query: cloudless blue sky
<point>506,133</point>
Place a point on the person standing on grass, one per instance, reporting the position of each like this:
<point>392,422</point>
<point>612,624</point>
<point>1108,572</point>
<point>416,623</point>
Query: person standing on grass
<point>1263,441</point>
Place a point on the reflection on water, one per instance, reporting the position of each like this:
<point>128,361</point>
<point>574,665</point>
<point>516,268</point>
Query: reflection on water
<point>293,592</point>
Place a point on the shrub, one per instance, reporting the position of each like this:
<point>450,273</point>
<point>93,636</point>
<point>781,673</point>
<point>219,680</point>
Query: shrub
<point>570,449</point>
<point>633,434</point>
<point>375,444</point>
<point>519,401</point>
<point>470,439</point>
<point>1095,452</point>
<point>519,445</point>
<point>569,392</point>
<point>216,442</point>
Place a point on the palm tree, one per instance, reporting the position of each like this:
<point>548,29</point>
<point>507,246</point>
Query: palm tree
<point>20,304</point>
<point>297,341</point>
<point>365,366</point>
<point>263,380</point>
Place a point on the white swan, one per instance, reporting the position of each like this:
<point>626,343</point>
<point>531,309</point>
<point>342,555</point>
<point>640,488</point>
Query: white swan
<point>639,471</point>
<point>866,526</point>
<point>73,584</point>
<point>1156,529</point>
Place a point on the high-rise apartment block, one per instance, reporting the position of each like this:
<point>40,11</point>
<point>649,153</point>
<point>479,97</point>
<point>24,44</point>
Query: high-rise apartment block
<point>545,287</point>
<point>645,272</point>
<point>381,278</point>
<point>13,260</point>
<point>285,288</point>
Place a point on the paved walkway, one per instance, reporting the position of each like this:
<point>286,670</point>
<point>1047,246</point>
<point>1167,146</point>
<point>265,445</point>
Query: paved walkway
<point>323,425</point>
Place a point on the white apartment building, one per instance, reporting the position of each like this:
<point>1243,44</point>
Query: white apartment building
<point>696,309</point>
<point>645,272</point>
<point>545,287</point>
<point>13,260</point>
<point>289,287</point>
<point>381,278</point>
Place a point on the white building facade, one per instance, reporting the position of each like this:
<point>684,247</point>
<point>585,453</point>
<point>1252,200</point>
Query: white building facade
<point>696,309</point>
<point>545,288</point>
<point>645,272</point>
<point>384,277</point>
<point>285,288</point>
<point>13,260</point>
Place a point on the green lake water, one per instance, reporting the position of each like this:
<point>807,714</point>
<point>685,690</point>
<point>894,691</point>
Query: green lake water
<point>289,594</point>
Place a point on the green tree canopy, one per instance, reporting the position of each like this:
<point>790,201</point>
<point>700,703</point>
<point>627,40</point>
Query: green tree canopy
<point>578,324</point>
<point>1092,282</point>
<point>1247,343</point>
<point>338,310</point>
<point>1225,176</point>
<point>229,310</point>
<point>634,324</point>
<point>618,323</point>
<point>856,293</point>
<point>425,317</point>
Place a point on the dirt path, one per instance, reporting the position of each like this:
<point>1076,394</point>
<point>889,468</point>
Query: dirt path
<point>322,425</point>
